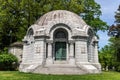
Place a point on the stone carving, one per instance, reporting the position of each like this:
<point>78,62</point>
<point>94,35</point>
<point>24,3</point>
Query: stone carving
<point>37,49</point>
<point>83,50</point>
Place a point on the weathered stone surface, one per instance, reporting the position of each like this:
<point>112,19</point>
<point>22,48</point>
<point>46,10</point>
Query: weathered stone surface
<point>60,42</point>
<point>17,50</point>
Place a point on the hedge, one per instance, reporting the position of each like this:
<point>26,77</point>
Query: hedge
<point>8,62</point>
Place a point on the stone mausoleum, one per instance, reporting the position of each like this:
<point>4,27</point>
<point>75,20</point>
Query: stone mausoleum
<point>60,42</point>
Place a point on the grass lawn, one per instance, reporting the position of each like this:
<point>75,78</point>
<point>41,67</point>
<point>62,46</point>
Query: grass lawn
<point>15,75</point>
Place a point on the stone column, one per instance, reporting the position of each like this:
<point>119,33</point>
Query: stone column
<point>95,54</point>
<point>49,58</point>
<point>67,51</point>
<point>71,55</point>
<point>90,54</point>
<point>77,51</point>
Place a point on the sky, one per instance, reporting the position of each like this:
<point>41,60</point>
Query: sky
<point>108,8</point>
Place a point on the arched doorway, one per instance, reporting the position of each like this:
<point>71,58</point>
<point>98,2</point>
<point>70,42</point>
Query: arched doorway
<point>60,44</point>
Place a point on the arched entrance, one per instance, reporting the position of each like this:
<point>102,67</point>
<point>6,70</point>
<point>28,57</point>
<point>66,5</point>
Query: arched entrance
<point>60,44</point>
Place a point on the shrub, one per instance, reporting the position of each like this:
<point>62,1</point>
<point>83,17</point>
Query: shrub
<point>117,66</point>
<point>8,61</point>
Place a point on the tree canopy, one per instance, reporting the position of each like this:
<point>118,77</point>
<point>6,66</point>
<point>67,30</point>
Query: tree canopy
<point>109,55</point>
<point>114,29</point>
<point>17,15</point>
<point>113,48</point>
<point>106,57</point>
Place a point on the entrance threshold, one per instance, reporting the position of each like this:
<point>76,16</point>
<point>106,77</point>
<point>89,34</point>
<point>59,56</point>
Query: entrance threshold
<point>60,62</point>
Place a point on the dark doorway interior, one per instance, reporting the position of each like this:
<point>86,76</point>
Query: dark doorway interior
<point>60,41</point>
<point>60,51</point>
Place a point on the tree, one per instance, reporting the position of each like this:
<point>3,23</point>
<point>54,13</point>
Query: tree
<point>17,15</point>
<point>114,29</point>
<point>106,57</point>
<point>92,15</point>
<point>12,22</point>
<point>115,45</point>
<point>115,48</point>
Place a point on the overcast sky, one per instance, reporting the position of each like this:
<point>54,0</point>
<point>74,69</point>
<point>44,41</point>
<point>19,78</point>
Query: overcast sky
<point>108,8</point>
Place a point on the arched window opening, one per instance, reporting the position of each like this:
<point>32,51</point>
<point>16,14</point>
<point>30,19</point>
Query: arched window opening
<point>90,33</point>
<point>60,34</point>
<point>30,33</point>
<point>30,36</point>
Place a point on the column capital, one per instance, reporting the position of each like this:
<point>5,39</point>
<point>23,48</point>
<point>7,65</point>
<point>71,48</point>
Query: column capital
<point>71,41</point>
<point>49,41</point>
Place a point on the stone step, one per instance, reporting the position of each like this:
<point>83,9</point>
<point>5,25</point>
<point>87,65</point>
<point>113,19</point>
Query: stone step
<point>61,66</point>
<point>59,70</point>
<point>60,62</point>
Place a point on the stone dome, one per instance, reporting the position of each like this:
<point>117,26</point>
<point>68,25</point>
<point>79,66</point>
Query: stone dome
<point>59,15</point>
<point>50,19</point>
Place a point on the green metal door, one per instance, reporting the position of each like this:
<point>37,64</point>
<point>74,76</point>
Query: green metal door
<point>60,51</point>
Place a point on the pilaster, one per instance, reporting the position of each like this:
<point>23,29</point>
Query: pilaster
<point>49,59</point>
<point>90,52</point>
<point>71,54</point>
<point>95,54</point>
<point>81,55</point>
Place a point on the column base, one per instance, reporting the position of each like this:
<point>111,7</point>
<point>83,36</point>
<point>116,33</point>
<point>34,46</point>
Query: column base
<point>72,60</point>
<point>49,61</point>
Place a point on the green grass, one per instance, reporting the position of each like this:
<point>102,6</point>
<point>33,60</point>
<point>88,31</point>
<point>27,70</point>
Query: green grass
<point>15,75</point>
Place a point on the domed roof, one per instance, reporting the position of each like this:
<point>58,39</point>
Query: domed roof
<point>45,23</point>
<point>57,15</point>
